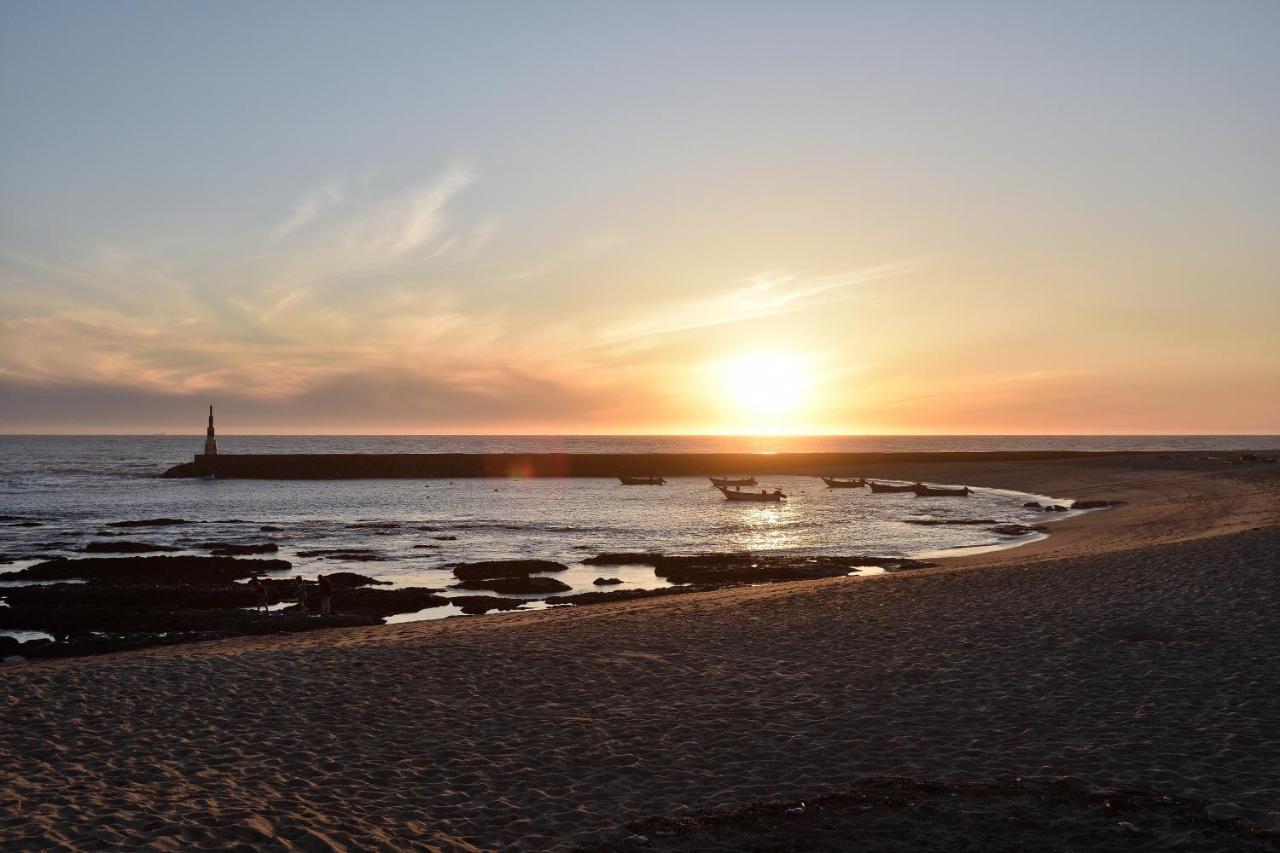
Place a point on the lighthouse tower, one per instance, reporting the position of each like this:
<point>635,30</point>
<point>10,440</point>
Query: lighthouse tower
<point>210,443</point>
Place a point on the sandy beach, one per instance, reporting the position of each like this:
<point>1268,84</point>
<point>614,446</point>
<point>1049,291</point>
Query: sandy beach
<point>1135,648</point>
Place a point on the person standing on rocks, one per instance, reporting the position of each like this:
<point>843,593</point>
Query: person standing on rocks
<point>300,592</point>
<point>326,596</point>
<point>261,589</point>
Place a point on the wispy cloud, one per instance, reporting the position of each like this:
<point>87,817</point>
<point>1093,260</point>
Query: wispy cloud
<point>309,208</point>
<point>407,223</point>
<point>763,295</point>
<point>348,283</point>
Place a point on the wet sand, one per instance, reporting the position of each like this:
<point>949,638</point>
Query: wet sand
<point>1134,648</point>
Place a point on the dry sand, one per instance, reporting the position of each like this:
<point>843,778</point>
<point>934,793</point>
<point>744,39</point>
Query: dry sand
<point>1136,647</point>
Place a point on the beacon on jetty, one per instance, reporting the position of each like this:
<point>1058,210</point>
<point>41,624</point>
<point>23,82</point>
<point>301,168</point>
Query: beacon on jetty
<point>210,441</point>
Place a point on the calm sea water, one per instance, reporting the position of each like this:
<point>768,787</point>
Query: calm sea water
<point>71,486</point>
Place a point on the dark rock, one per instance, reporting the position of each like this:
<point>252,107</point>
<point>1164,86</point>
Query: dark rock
<point>1054,508</point>
<point>486,569</point>
<point>426,546</point>
<point>381,602</point>
<point>352,555</point>
<point>476,605</point>
<point>232,548</point>
<point>1031,505</point>
<point>123,547</point>
<point>446,538</point>
<point>1016,529</point>
<point>270,528</point>
<point>1094,504</point>
<point>351,579</point>
<point>584,598</point>
<point>105,533</point>
<point>750,568</point>
<point>70,610</point>
<point>623,559</point>
<point>150,522</point>
<point>9,646</point>
<point>606,581</point>
<point>26,524</point>
<point>522,585</point>
<point>946,522</point>
<point>172,569</point>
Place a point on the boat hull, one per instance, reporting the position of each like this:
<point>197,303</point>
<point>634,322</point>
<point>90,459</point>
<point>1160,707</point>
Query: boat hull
<point>926,492</point>
<point>753,497</point>
<point>885,488</point>
<point>834,483</point>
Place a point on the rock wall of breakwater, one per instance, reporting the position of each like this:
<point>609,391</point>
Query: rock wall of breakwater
<point>355,466</point>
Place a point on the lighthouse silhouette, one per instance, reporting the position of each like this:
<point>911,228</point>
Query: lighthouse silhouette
<point>210,442</point>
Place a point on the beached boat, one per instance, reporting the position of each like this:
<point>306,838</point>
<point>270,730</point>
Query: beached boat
<point>642,481</point>
<point>733,481</point>
<point>736,494</point>
<point>837,483</point>
<point>884,488</point>
<point>923,491</point>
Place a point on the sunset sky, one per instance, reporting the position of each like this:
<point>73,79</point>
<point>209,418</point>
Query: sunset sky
<point>650,217</point>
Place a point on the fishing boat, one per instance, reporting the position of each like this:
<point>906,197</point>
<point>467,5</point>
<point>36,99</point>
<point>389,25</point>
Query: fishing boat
<point>885,488</point>
<point>733,481</point>
<point>653,480</point>
<point>837,483</point>
<point>736,494</point>
<point>923,491</point>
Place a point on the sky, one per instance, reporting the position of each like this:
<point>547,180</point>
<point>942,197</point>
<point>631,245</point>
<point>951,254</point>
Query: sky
<point>646,217</point>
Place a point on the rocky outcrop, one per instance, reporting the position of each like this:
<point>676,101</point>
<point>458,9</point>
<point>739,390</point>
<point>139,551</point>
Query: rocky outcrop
<point>351,579</point>
<point>151,522</point>
<point>245,624</point>
<point>228,549</point>
<point>121,546</point>
<point>1095,504</point>
<point>524,585</point>
<point>949,522</point>
<point>350,555</point>
<point>486,569</point>
<point>184,569</point>
<point>477,605</point>
<point>138,607</point>
<point>749,568</point>
<point>1017,529</point>
<point>584,598</point>
<point>606,581</point>
<point>623,558</point>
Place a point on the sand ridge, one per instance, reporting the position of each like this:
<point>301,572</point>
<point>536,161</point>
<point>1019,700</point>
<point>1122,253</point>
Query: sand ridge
<point>1144,659</point>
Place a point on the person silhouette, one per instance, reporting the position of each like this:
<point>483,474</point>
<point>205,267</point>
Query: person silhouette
<point>326,596</point>
<point>261,589</point>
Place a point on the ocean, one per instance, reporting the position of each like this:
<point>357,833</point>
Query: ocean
<point>57,492</point>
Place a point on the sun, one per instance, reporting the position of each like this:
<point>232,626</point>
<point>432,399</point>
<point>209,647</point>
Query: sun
<point>768,387</point>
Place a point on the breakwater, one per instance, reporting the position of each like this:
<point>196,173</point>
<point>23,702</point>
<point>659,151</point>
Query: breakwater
<point>355,466</point>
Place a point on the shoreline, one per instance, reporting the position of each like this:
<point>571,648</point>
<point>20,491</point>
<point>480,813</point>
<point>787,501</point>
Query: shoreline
<point>1134,646</point>
<point>353,466</point>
